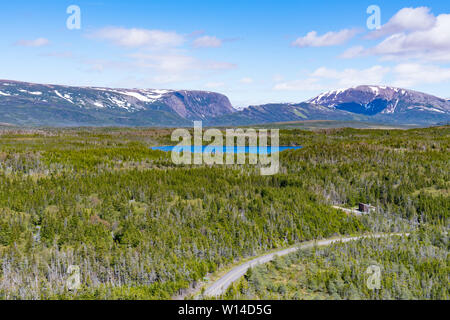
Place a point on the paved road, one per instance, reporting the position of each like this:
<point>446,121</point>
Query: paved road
<point>221,285</point>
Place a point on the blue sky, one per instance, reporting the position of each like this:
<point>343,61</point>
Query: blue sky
<point>253,51</point>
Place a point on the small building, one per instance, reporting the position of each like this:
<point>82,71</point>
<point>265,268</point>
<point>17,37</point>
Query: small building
<point>365,208</point>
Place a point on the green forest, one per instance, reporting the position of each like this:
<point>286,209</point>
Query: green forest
<point>413,267</point>
<point>140,227</point>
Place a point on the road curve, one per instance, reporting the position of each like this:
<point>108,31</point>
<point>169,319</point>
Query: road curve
<point>220,286</point>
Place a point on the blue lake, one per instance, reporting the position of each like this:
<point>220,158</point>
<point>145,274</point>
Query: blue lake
<point>223,149</point>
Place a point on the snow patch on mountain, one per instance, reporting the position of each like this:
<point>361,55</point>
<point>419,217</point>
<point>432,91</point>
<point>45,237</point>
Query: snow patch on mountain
<point>137,96</point>
<point>63,97</point>
<point>424,108</point>
<point>390,108</point>
<point>380,99</point>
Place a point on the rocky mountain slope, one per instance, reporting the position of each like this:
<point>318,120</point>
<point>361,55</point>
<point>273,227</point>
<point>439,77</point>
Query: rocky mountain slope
<point>38,104</point>
<point>372,100</point>
<point>31,104</point>
<point>364,103</point>
<point>283,112</point>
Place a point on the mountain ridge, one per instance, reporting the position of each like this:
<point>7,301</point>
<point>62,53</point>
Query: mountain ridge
<point>366,96</point>
<point>87,103</point>
<point>24,103</point>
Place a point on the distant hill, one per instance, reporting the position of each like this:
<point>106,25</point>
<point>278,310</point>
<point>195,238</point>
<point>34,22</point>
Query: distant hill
<point>30,104</point>
<point>24,103</point>
<point>387,104</point>
<point>379,104</point>
<point>283,112</point>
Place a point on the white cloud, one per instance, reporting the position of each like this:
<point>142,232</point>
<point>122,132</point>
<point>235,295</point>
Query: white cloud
<point>353,77</point>
<point>353,52</point>
<point>435,40</point>
<point>62,54</point>
<point>411,74</point>
<point>214,85</point>
<point>40,42</point>
<point>177,62</point>
<point>161,55</point>
<point>165,78</point>
<point>407,19</point>
<point>218,65</point>
<point>278,78</point>
<point>324,78</point>
<point>175,66</point>
<point>207,42</point>
<point>410,34</point>
<point>133,38</point>
<point>97,67</point>
<point>326,40</point>
<point>309,84</point>
<point>405,75</point>
<point>169,62</point>
<point>246,80</point>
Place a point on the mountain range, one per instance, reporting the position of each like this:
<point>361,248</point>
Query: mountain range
<point>30,104</point>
